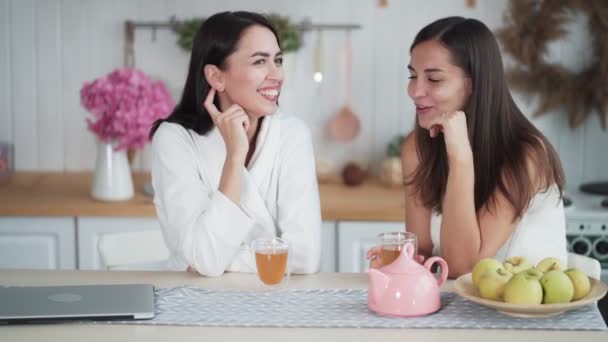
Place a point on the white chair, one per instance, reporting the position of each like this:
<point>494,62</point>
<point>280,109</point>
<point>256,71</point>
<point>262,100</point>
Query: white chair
<point>588,265</point>
<point>140,250</point>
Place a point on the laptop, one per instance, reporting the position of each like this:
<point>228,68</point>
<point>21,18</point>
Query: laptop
<point>43,304</point>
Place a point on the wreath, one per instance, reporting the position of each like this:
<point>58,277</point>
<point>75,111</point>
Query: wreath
<point>530,25</point>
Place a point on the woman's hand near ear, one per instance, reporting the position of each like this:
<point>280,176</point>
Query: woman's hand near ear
<point>233,124</point>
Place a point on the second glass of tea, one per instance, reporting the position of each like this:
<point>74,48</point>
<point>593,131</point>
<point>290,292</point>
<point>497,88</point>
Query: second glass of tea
<point>272,261</point>
<point>391,243</point>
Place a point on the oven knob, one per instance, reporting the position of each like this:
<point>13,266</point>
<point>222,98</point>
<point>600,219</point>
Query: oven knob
<point>581,246</point>
<point>601,248</point>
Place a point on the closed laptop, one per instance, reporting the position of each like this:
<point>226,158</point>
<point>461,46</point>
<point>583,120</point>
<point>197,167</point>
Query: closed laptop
<point>33,304</point>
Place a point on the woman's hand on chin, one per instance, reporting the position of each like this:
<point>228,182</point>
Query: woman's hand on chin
<point>453,126</point>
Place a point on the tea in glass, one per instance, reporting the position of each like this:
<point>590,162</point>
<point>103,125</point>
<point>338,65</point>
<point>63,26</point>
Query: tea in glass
<point>391,244</point>
<point>271,259</point>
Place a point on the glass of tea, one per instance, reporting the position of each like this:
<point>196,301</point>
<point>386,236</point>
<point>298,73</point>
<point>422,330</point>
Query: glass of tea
<point>391,243</point>
<point>272,261</point>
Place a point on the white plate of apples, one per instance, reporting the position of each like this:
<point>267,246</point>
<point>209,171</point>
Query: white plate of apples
<point>518,288</point>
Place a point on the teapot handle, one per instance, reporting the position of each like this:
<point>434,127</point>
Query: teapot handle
<point>444,268</point>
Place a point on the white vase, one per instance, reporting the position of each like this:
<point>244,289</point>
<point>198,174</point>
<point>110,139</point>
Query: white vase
<point>112,181</point>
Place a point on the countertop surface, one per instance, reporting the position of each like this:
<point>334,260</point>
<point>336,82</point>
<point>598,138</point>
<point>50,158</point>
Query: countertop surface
<point>241,281</point>
<point>68,194</point>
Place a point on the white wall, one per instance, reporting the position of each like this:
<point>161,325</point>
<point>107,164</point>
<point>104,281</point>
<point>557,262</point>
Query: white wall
<point>48,48</point>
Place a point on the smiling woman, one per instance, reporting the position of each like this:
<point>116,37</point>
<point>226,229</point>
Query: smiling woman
<point>480,180</point>
<point>225,159</point>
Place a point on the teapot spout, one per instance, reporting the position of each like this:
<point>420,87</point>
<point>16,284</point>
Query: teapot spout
<point>378,283</point>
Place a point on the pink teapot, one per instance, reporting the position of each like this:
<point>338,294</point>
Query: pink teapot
<point>405,287</point>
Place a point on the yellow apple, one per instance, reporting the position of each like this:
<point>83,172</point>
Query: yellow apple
<point>557,286</point>
<point>524,288</point>
<point>483,265</point>
<point>580,281</point>
<point>550,264</point>
<point>517,264</point>
<point>492,283</point>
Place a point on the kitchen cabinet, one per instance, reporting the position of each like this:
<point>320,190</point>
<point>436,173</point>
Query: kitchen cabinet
<point>356,238</point>
<point>37,243</point>
<point>328,247</point>
<point>91,229</point>
<point>49,220</point>
<point>71,242</point>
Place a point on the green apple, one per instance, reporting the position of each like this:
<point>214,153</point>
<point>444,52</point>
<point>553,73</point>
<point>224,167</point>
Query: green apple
<point>517,264</point>
<point>483,265</point>
<point>524,288</point>
<point>492,283</point>
<point>580,281</point>
<point>550,264</point>
<point>535,273</point>
<point>557,286</point>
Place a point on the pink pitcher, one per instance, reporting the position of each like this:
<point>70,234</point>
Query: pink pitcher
<point>405,287</point>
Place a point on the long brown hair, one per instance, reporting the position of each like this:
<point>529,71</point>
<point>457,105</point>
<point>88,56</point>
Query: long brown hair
<point>501,137</point>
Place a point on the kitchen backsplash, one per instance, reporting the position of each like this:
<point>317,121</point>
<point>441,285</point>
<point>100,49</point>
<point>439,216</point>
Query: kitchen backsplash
<point>49,48</point>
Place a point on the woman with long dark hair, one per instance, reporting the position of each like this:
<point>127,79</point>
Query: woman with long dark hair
<point>228,166</point>
<point>480,179</point>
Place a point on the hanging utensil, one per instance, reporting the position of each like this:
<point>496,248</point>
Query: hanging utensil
<point>345,125</point>
<point>318,75</point>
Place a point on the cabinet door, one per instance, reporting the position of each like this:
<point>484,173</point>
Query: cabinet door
<point>356,238</point>
<point>328,247</point>
<point>46,243</point>
<point>90,229</point>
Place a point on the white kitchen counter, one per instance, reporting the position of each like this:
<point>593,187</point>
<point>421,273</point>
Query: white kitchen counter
<point>105,333</point>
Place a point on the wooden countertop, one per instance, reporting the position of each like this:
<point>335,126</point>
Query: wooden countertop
<point>68,194</point>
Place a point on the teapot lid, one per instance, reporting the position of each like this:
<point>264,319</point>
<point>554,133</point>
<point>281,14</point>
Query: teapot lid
<point>405,263</point>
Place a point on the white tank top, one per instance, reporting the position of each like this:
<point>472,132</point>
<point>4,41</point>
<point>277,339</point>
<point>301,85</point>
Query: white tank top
<point>540,233</point>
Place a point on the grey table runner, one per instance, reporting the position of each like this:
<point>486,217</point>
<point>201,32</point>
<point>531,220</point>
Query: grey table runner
<point>337,309</point>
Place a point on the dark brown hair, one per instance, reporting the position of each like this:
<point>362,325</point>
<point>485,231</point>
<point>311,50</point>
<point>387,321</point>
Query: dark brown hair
<point>502,139</point>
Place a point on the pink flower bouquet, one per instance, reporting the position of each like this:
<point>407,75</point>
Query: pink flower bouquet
<point>124,104</point>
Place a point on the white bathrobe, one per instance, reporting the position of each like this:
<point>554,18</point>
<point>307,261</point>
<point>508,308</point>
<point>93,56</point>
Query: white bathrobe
<point>279,197</point>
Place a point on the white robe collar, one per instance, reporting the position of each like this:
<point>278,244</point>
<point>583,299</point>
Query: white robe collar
<point>256,179</point>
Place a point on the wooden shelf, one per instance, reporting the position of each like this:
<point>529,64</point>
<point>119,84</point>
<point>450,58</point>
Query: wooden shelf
<point>68,194</point>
